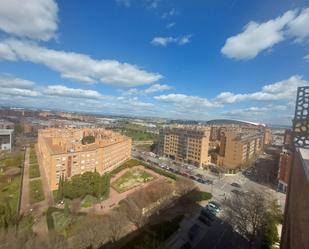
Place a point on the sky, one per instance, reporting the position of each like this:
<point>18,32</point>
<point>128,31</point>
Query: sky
<point>177,59</point>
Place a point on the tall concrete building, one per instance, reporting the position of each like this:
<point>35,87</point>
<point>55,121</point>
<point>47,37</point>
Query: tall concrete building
<point>68,152</point>
<point>237,148</point>
<point>185,143</point>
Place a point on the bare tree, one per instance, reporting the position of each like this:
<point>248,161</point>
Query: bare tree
<point>248,213</point>
<point>134,212</point>
<point>93,231</point>
<point>184,185</point>
<point>116,224</point>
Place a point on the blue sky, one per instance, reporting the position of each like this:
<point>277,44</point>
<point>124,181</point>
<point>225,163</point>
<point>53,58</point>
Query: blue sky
<point>175,59</point>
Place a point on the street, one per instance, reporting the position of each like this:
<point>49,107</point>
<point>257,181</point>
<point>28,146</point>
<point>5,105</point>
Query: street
<point>219,234</point>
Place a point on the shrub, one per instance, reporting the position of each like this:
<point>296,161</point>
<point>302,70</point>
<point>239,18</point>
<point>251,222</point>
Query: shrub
<point>196,195</point>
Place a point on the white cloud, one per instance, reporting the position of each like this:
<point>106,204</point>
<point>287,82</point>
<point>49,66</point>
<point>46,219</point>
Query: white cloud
<point>164,41</point>
<point>306,57</point>
<point>257,37</point>
<point>34,19</point>
<point>125,3</point>
<point>282,90</point>
<point>170,25</point>
<point>299,27</point>
<point>60,90</point>
<point>8,81</point>
<point>79,67</point>
<point>19,92</point>
<point>152,89</point>
<point>184,39</point>
<point>170,13</point>
<point>186,100</point>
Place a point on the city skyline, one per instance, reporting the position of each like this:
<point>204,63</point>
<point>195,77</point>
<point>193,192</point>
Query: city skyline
<point>190,61</point>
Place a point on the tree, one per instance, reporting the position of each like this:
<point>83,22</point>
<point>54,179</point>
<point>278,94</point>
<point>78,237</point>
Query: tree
<point>134,212</point>
<point>66,209</point>
<point>116,223</point>
<point>183,186</point>
<point>250,214</point>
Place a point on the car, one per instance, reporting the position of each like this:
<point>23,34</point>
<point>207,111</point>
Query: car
<point>235,184</point>
<point>199,175</point>
<point>212,209</point>
<point>200,180</point>
<point>237,192</point>
<point>186,245</point>
<point>215,204</point>
<point>204,220</point>
<point>193,177</point>
<point>205,212</point>
<point>193,231</point>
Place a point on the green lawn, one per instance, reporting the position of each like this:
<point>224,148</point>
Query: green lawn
<point>131,179</point>
<point>88,201</point>
<point>36,191</point>
<point>60,221</point>
<point>34,170</point>
<point>10,192</point>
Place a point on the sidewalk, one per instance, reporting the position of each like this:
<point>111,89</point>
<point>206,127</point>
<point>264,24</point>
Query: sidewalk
<point>24,204</point>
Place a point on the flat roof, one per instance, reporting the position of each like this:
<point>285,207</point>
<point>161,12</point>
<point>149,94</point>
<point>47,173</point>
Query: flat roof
<point>6,131</point>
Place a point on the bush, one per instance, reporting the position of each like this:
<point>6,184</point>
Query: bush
<point>196,195</point>
<point>88,140</point>
<point>162,172</point>
<point>36,191</point>
<point>89,183</point>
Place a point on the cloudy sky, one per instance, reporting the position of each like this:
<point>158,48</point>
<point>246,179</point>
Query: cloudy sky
<point>176,59</point>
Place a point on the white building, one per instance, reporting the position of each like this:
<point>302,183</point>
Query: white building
<point>6,139</point>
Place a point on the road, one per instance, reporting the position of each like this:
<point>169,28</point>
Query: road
<point>220,235</point>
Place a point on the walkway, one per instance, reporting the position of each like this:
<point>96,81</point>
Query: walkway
<point>24,204</point>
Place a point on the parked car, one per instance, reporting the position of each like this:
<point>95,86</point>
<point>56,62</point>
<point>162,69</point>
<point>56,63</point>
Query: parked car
<point>205,212</point>
<point>235,184</point>
<point>193,231</point>
<point>212,209</point>
<point>215,204</point>
<point>236,191</point>
<point>204,220</point>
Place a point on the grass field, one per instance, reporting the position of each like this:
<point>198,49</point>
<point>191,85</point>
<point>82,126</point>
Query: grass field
<point>34,170</point>
<point>131,179</point>
<point>88,201</point>
<point>10,192</point>
<point>36,191</point>
<point>60,221</point>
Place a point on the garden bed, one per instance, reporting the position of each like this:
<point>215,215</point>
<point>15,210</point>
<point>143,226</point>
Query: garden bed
<point>36,191</point>
<point>132,178</point>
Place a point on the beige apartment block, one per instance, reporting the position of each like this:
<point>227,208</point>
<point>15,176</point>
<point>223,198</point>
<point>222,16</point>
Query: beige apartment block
<point>237,148</point>
<point>63,153</point>
<point>185,143</point>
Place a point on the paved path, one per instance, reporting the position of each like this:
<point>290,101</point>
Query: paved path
<point>24,204</point>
